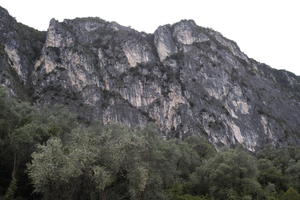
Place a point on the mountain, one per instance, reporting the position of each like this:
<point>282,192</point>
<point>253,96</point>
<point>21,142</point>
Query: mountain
<point>187,79</point>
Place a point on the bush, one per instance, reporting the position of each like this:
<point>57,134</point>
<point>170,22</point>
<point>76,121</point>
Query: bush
<point>290,194</point>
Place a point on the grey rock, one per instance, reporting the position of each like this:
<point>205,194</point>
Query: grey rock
<point>20,46</point>
<point>164,42</point>
<point>187,79</point>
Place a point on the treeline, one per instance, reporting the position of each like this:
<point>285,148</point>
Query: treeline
<point>47,153</point>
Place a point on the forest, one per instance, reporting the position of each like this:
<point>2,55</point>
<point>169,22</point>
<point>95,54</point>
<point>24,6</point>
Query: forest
<point>48,152</point>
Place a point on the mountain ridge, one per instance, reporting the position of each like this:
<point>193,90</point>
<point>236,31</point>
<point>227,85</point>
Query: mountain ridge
<point>187,79</point>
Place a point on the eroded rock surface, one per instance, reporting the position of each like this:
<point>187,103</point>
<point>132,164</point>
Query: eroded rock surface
<point>187,79</point>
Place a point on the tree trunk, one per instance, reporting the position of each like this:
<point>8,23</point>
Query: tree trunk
<point>11,190</point>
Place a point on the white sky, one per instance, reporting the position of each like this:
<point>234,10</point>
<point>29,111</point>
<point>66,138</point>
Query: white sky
<point>266,30</point>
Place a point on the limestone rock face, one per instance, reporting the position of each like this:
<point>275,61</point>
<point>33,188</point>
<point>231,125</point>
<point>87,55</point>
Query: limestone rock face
<point>164,43</point>
<point>187,79</point>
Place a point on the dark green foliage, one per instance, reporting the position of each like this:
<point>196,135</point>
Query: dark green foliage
<point>2,51</point>
<point>293,171</point>
<point>290,194</point>
<point>228,175</point>
<point>177,193</point>
<point>11,190</point>
<point>22,126</point>
<point>268,173</point>
<point>280,167</point>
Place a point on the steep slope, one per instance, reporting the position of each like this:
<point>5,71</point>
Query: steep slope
<point>187,79</point>
<point>20,46</point>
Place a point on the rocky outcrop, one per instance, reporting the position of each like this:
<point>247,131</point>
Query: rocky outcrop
<point>20,46</point>
<point>187,79</point>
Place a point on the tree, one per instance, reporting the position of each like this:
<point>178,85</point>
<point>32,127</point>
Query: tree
<point>268,173</point>
<point>230,174</point>
<point>22,126</point>
<point>63,171</point>
<point>293,172</point>
<point>93,162</point>
<point>280,166</point>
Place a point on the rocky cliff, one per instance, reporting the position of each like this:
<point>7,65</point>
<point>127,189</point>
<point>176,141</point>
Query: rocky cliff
<point>187,79</point>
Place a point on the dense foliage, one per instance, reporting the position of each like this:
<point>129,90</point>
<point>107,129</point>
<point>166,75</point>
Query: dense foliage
<point>46,153</point>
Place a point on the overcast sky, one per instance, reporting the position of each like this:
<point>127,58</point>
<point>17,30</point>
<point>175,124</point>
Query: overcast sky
<point>266,30</point>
